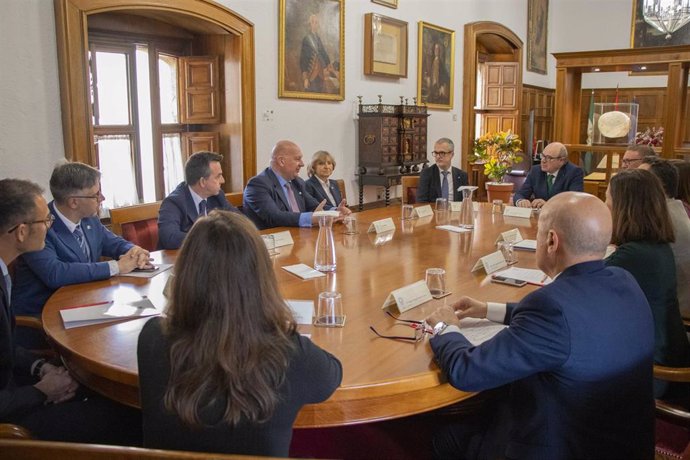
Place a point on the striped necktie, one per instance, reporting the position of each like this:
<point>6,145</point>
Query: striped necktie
<point>79,235</point>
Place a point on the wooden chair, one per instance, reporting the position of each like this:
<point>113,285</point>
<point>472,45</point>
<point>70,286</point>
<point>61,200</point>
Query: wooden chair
<point>235,199</point>
<point>673,421</point>
<point>409,189</point>
<point>341,188</point>
<point>138,224</point>
<point>11,431</point>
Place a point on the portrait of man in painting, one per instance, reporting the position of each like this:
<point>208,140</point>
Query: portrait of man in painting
<point>537,18</point>
<point>644,35</point>
<point>435,85</point>
<point>311,49</point>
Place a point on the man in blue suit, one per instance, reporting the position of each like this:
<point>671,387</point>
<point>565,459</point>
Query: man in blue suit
<point>74,244</point>
<point>198,195</point>
<point>441,180</point>
<point>277,197</point>
<point>578,389</point>
<point>556,175</point>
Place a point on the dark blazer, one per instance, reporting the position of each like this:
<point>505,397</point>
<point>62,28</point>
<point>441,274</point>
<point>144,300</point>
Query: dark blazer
<point>62,262</point>
<point>429,187</point>
<point>570,178</point>
<point>266,205</point>
<point>578,354</point>
<point>178,213</point>
<point>316,190</point>
<point>15,401</point>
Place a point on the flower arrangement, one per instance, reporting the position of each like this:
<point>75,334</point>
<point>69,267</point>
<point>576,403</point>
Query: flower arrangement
<point>499,152</point>
<point>651,136</point>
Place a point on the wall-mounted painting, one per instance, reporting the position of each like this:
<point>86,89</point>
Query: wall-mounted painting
<point>537,26</point>
<point>311,49</point>
<point>388,3</point>
<point>643,35</point>
<point>385,46</point>
<point>435,66</point>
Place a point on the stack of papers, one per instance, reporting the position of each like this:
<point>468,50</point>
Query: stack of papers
<point>530,275</point>
<point>303,271</point>
<point>106,312</point>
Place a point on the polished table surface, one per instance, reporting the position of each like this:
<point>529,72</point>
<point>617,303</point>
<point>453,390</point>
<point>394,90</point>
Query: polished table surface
<point>382,378</point>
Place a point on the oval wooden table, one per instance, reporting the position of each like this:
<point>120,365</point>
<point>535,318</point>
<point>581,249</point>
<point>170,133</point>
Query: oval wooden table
<point>382,378</point>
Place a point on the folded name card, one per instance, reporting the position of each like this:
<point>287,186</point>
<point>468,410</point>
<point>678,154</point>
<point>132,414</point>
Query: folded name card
<point>511,236</point>
<point>381,226</point>
<point>409,296</point>
<point>282,238</point>
<point>326,214</point>
<point>491,263</point>
<point>453,228</point>
<point>456,206</point>
<point>302,310</point>
<point>303,271</point>
<point>516,211</point>
<point>423,211</point>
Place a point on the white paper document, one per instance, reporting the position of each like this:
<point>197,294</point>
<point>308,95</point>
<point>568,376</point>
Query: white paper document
<point>160,268</point>
<point>302,310</point>
<point>381,226</point>
<point>490,263</point>
<point>282,238</point>
<point>526,245</point>
<point>453,228</point>
<point>303,271</point>
<point>531,275</point>
<point>478,331</point>
<point>105,312</point>
<point>423,211</point>
<point>409,296</point>
<point>515,211</point>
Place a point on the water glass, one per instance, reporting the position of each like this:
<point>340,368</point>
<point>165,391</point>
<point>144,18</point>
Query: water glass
<point>350,223</point>
<point>436,281</point>
<point>497,207</point>
<point>441,205</point>
<point>407,210</point>
<point>270,242</point>
<point>506,248</point>
<point>329,310</point>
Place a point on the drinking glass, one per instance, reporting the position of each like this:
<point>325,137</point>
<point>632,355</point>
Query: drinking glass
<point>506,248</point>
<point>270,242</point>
<point>497,207</point>
<point>407,210</point>
<point>329,310</point>
<point>436,281</point>
<point>441,205</point>
<point>350,223</point>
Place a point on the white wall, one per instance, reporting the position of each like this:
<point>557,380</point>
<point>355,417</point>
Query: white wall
<point>30,124</point>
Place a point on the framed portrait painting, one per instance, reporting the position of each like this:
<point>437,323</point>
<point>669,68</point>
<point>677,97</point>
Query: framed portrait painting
<point>537,23</point>
<point>311,49</point>
<point>435,66</point>
<point>643,35</point>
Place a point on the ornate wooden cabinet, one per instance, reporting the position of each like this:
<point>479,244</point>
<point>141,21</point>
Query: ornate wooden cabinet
<point>392,143</point>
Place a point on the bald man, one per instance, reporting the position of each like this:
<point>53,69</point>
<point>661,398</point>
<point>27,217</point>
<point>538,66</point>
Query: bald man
<point>555,175</point>
<point>578,388</point>
<point>277,197</point>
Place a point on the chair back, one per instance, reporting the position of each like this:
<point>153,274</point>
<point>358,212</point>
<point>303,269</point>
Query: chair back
<point>137,224</point>
<point>409,189</point>
<point>341,188</point>
<point>235,199</point>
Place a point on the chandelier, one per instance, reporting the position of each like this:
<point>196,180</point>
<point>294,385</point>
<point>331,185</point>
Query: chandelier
<point>666,15</point>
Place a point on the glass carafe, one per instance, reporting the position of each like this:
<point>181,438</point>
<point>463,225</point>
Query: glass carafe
<point>467,208</point>
<point>324,254</point>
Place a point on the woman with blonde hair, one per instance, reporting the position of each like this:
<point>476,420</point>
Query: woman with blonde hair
<point>226,370</point>
<point>319,185</point>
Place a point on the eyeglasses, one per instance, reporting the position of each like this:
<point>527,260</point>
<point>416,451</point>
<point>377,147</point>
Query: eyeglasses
<point>627,161</point>
<point>96,195</point>
<point>420,329</point>
<point>48,223</point>
<point>442,154</point>
<point>546,158</point>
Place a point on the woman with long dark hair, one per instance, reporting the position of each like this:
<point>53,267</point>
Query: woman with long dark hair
<point>226,370</point>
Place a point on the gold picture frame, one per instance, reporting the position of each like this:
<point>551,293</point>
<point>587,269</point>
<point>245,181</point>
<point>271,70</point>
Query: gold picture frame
<point>385,46</point>
<point>435,66</point>
<point>388,3</point>
<point>311,49</point>
<point>643,35</point>
<point>537,28</point>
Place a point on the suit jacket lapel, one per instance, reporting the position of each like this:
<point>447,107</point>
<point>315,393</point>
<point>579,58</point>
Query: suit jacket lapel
<point>66,237</point>
<point>299,195</point>
<point>190,209</point>
<point>435,179</point>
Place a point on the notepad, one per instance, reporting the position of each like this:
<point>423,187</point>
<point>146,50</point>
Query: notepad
<point>303,271</point>
<point>107,312</point>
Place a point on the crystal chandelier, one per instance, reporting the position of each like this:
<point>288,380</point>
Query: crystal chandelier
<point>666,15</point>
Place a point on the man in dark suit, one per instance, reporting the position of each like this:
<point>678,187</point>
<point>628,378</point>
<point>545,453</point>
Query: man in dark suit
<point>577,388</point>
<point>74,244</point>
<point>441,180</point>
<point>556,175</point>
<point>277,197</point>
<point>34,393</point>
<point>198,195</point>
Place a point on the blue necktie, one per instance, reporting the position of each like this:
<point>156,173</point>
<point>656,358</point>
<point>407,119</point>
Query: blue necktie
<point>79,235</point>
<point>444,185</point>
<point>202,208</point>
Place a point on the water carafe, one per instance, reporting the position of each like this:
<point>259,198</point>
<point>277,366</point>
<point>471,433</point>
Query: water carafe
<point>324,254</point>
<point>467,208</point>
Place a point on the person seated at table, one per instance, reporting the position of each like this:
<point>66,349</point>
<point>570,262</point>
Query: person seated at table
<point>441,180</point>
<point>35,394</point>
<point>226,370</point>
<point>278,197</point>
<point>74,244</point>
<point>681,227</point>
<point>319,185</point>
<point>555,175</point>
<point>577,354</point>
<point>198,195</point>
<point>683,193</point>
<point>642,231</point>
<point>634,154</point>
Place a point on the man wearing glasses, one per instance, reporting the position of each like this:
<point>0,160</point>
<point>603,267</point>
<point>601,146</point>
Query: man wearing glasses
<point>74,244</point>
<point>441,180</point>
<point>556,175</point>
<point>635,154</point>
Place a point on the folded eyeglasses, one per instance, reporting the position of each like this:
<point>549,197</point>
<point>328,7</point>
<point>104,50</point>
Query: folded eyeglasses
<point>420,329</point>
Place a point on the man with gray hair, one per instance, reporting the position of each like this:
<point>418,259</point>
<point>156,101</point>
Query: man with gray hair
<point>441,180</point>
<point>555,175</point>
<point>635,154</point>
<point>74,244</point>
<point>577,389</point>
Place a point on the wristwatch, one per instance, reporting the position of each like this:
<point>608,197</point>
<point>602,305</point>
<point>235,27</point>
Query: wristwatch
<point>440,327</point>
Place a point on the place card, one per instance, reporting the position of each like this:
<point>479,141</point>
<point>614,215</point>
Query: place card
<point>511,236</point>
<point>325,214</point>
<point>453,228</point>
<point>282,238</point>
<point>516,211</point>
<point>490,263</point>
<point>455,206</point>
<point>302,310</point>
<point>382,225</point>
<point>423,211</point>
<point>408,297</point>
<point>526,245</point>
<point>303,271</point>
